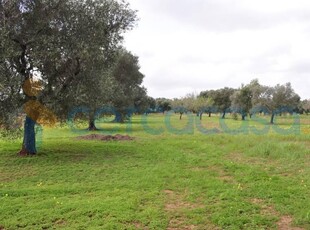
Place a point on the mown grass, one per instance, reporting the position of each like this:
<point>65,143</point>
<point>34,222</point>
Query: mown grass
<point>224,175</point>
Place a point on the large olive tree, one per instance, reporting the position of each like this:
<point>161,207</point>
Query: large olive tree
<point>55,41</point>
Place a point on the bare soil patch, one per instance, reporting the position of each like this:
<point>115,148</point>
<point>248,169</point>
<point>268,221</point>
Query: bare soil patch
<point>284,223</point>
<point>60,222</point>
<point>175,202</point>
<point>175,206</point>
<point>100,137</point>
<point>178,225</point>
<point>140,226</point>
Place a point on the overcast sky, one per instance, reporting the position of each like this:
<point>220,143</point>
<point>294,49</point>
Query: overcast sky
<point>188,46</point>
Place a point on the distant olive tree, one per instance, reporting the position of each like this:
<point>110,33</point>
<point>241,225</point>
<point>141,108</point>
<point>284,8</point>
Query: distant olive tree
<point>222,99</point>
<point>306,106</point>
<point>180,106</point>
<point>277,99</point>
<point>244,98</point>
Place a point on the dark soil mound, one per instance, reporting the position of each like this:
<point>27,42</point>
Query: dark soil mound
<point>99,137</point>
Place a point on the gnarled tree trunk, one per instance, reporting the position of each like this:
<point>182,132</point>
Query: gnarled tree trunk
<point>119,118</point>
<point>91,122</point>
<point>272,118</point>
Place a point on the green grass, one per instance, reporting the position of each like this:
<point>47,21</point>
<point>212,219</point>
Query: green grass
<point>170,177</point>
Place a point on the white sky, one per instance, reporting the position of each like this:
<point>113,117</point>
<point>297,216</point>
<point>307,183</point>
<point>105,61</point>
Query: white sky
<point>188,46</point>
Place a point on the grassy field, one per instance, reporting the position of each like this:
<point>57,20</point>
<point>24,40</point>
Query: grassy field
<point>174,175</point>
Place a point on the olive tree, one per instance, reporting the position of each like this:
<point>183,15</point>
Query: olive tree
<point>277,99</point>
<point>222,99</point>
<point>127,88</point>
<point>244,98</point>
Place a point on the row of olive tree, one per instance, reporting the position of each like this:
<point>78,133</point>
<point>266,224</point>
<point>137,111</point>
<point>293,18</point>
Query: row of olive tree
<point>246,100</point>
<point>192,103</point>
<point>73,50</point>
<point>252,98</point>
